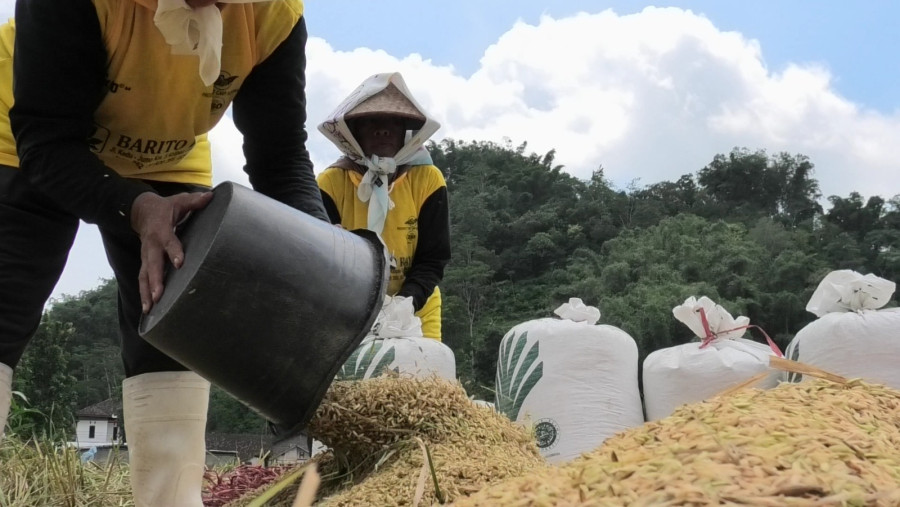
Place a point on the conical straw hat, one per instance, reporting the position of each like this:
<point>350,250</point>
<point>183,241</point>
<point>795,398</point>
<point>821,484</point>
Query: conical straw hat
<point>388,102</point>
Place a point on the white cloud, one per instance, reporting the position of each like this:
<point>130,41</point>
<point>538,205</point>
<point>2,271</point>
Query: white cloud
<point>648,96</point>
<point>651,95</point>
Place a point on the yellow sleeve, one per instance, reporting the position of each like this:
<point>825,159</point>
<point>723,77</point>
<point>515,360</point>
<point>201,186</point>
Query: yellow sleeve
<point>270,18</point>
<point>329,180</point>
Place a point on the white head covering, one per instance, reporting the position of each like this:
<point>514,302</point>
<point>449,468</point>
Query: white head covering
<point>194,32</point>
<point>374,186</point>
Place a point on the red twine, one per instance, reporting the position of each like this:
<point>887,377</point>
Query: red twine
<point>710,335</point>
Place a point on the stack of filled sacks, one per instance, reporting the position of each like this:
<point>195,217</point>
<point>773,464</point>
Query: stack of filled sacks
<point>697,370</point>
<point>852,336</point>
<point>573,382</point>
<point>396,345</point>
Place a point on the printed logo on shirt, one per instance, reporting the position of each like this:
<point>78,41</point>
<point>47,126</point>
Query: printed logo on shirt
<point>98,139</point>
<point>401,268</point>
<point>115,87</point>
<point>150,152</point>
<point>224,81</point>
<point>412,229</point>
<point>222,93</point>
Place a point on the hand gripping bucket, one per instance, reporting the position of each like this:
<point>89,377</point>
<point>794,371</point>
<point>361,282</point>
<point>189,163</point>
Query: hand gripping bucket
<point>269,302</point>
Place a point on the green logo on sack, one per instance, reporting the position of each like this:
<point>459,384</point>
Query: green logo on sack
<point>512,385</point>
<point>362,358</point>
<point>546,432</point>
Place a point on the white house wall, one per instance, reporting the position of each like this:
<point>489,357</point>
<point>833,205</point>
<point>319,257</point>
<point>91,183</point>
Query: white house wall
<point>103,431</point>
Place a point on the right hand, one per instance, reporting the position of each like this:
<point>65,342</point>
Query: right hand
<point>154,219</point>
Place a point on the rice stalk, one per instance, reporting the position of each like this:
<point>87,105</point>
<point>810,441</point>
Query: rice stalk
<point>40,474</point>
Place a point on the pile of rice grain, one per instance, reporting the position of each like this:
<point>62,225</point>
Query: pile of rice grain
<point>378,420</point>
<point>814,443</point>
<point>378,430</point>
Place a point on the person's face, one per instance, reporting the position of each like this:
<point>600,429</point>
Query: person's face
<point>380,135</point>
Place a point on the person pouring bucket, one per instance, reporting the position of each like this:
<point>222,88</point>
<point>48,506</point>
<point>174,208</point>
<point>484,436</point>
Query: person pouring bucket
<point>108,123</point>
<point>387,182</point>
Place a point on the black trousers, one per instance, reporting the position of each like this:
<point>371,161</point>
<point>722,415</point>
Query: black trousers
<point>35,239</point>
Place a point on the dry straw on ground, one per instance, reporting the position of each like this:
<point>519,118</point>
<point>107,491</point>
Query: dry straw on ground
<point>815,443</point>
<point>42,474</point>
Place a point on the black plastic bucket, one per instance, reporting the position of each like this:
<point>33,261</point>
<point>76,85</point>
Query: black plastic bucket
<point>269,302</point>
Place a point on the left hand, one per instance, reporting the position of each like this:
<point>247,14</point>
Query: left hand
<point>154,219</point>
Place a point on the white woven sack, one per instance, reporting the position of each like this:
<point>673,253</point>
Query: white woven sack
<point>851,337</point>
<point>683,374</point>
<point>693,372</point>
<point>574,383</point>
<point>414,357</point>
<point>862,345</point>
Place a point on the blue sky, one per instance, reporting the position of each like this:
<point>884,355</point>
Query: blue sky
<point>856,40</point>
<point>647,91</point>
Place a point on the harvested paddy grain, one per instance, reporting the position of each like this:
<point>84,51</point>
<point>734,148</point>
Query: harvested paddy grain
<point>814,443</point>
<point>397,441</point>
<point>469,446</point>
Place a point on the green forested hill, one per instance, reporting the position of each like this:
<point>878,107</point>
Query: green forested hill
<point>747,230</point>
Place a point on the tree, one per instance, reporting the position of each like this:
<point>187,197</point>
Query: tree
<point>599,211</point>
<point>755,185</point>
<point>642,274</point>
<point>504,198</point>
<point>800,192</point>
<point>228,415</point>
<point>850,215</point>
<point>668,199</point>
<point>93,347</point>
<point>42,376</point>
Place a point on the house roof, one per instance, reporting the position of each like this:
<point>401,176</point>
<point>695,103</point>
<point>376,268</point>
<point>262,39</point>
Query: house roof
<point>298,441</point>
<point>108,408</point>
<point>247,445</point>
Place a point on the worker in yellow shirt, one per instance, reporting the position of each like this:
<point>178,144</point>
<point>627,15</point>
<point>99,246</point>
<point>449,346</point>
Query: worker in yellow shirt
<point>386,182</point>
<point>107,122</point>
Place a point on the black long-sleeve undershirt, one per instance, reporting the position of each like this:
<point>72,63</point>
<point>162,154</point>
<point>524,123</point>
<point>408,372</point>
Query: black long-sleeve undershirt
<point>432,250</point>
<point>59,69</point>
<point>271,115</point>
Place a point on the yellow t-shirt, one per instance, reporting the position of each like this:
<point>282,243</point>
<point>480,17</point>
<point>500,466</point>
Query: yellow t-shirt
<point>132,135</point>
<point>401,227</point>
<point>7,143</point>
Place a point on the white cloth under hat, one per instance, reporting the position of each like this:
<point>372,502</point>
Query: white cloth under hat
<point>374,187</point>
<point>194,32</point>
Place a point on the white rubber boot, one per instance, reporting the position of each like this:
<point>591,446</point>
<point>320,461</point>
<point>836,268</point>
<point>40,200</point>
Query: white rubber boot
<point>5,395</point>
<point>165,428</point>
